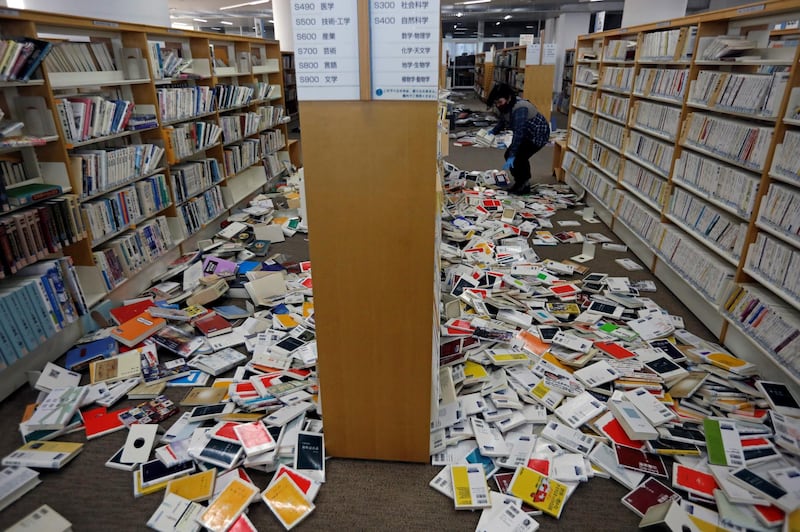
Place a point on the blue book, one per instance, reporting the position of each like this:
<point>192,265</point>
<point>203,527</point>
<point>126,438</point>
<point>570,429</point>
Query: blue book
<point>40,307</point>
<point>8,351</point>
<point>20,319</point>
<point>248,265</point>
<point>51,298</point>
<point>194,378</point>
<point>12,330</point>
<point>23,296</point>
<point>78,358</point>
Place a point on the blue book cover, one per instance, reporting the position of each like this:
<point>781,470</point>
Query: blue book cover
<point>20,319</point>
<point>78,358</point>
<point>12,330</point>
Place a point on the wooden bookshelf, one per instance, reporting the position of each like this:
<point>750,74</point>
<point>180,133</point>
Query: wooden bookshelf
<point>139,82</point>
<point>484,76</point>
<point>667,175</point>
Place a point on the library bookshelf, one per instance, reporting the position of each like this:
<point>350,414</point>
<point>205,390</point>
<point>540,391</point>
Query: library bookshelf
<point>691,158</point>
<point>484,75</point>
<point>214,135</point>
<point>533,81</point>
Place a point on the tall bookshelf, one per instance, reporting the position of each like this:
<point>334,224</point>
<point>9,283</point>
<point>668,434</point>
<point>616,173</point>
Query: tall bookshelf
<point>484,75</point>
<point>566,81</point>
<point>235,165</point>
<point>652,117</point>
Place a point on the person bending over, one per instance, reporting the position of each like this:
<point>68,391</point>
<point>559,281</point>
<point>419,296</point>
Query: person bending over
<point>531,133</point>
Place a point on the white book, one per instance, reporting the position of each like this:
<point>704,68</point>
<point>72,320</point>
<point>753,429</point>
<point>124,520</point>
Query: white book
<point>16,482</point>
<point>654,410</point>
<point>43,519</point>
<point>443,482</point>
<point>218,362</point>
<point>176,514</point>
<point>57,409</point>
<point>596,374</point>
<point>759,485</point>
<point>568,438</point>
<point>632,421</point>
<point>54,376</point>
<point>490,440</point>
<point>506,514</point>
<point>578,410</point>
<point>522,446</point>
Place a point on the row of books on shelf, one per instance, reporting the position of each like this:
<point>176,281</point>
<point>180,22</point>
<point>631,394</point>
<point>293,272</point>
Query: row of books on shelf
<point>176,103</point>
<point>733,140</point>
<point>197,212</point>
<point>736,188</point>
<point>786,160</point>
<point>239,125</point>
<point>123,256</point>
<point>239,156</point>
<point>586,75</point>
<point>664,119</point>
<point>651,150</point>
<point>605,159</point>
<point>227,96</point>
<point>83,118</point>
<point>37,304</point>
<point>189,179</point>
<point>187,139</point>
<point>720,230</point>
<point>21,56</point>
<point>764,318</point>
<point>113,213</point>
<point>620,50</point>
<point>166,62</point>
<point>661,82</point>
<point>80,57</point>
<point>758,94</point>
<point>584,98</point>
<point>646,182</point>
<point>778,262</point>
<point>32,234</point>
<point>780,209</point>
<point>669,45</point>
<point>581,120</point>
<point>609,132</point>
<point>615,106</point>
<point>272,141</point>
<point>618,78</point>
<point>12,170</point>
<point>104,169</point>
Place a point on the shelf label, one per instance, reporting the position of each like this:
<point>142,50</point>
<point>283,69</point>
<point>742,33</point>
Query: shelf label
<point>326,49</point>
<point>9,12</point>
<point>106,23</point>
<point>664,24</point>
<point>405,49</point>
<point>533,54</point>
<point>549,54</point>
<point>750,9</point>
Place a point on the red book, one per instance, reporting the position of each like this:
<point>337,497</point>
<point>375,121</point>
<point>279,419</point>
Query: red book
<point>99,421</point>
<point>127,312</point>
<point>213,325</point>
<point>614,350</point>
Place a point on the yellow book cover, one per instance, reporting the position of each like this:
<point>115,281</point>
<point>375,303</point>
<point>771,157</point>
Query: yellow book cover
<point>138,490</point>
<point>198,487</point>
<point>556,362</point>
<point>308,308</point>
<point>507,358</point>
<point>539,491</point>
<point>223,383</point>
<point>726,361</point>
<point>286,320</point>
<point>474,372</point>
<point>44,454</point>
<point>228,506</point>
<point>469,486</point>
<point>287,501</point>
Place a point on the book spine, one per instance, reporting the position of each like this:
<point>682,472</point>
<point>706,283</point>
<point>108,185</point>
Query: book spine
<point>20,317</point>
<point>12,328</point>
<point>41,307</point>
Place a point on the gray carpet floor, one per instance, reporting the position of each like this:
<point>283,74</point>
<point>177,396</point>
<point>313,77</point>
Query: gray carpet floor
<point>358,495</point>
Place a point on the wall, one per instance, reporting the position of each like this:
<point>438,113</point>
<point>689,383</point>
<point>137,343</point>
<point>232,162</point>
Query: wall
<point>714,5</point>
<point>567,28</point>
<point>645,11</point>
<point>154,12</point>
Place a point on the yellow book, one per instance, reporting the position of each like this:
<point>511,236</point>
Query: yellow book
<point>474,372</point>
<point>286,320</point>
<point>470,490</point>
<point>43,454</point>
<point>228,506</point>
<point>539,491</point>
<point>308,308</point>
<point>138,490</point>
<point>726,361</point>
<point>223,383</point>
<point>556,362</point>
<point>287,501</point>
<point>198,487</point>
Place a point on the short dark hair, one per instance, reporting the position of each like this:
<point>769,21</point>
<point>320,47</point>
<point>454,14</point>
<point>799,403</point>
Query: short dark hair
<point>500,90</point>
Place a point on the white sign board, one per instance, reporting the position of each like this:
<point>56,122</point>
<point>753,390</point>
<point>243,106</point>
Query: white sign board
<point>532,54</point>
<point>526,38</point>
<point>405,49</point>
<point>326,49</point>
<point>549,54</point>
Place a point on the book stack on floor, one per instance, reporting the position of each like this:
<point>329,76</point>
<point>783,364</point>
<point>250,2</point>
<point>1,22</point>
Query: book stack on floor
<point>552,374</point>
<point>183,332</point>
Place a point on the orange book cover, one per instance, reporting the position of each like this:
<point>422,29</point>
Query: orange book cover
<point>137,329</point>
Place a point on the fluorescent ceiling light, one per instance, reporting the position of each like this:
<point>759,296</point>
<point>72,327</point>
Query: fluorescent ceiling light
<point>216,28</point>
<point>226,22</point>
<point>529,26</point>
<point>497,23</point>
<point>469,2</point>
<point>182,25</point>
<point>506,17</point>
<point>459,14</point>
<point>253,3</point>
<point>271,21</point>
<point>199,20</point>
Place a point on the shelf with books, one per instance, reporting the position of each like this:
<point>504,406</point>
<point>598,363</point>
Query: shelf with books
<point>781,288</point>
<point>610,117</point>
<point>98,140</point>
<point>661,62</point>
<point>652,132</point>
<point>123,184</point>
<point>644,198</point>
<point>702,239</point>
<point>752,62</point>
<point>740,340</point>
<point>718,156</point>
<point>189,118</point>
<point>646,164</point>
<point>709,198</point>
<point>657,98</point>
<point>585,85</point>
<point>615,90</point>
<point>88,82</point>
<point>778,232</point>
<point>731,112</point>
<point>603,142</point>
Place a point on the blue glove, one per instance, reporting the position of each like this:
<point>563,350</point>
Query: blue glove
<point>509,163</point>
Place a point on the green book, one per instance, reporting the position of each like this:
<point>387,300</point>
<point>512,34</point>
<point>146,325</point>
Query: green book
<point>30,193</point>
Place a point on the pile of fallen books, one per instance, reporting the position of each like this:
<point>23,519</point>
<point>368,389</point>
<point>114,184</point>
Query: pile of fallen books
<point>551,375</point>
<point>186,331</point>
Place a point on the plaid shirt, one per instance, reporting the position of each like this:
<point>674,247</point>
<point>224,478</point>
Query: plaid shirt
<point>526,122</point>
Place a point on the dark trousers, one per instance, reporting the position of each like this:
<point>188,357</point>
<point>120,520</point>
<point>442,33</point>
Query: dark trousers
<point>521,171</point>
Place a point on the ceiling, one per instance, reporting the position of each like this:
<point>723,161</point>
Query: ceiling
<point>241,19</point>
